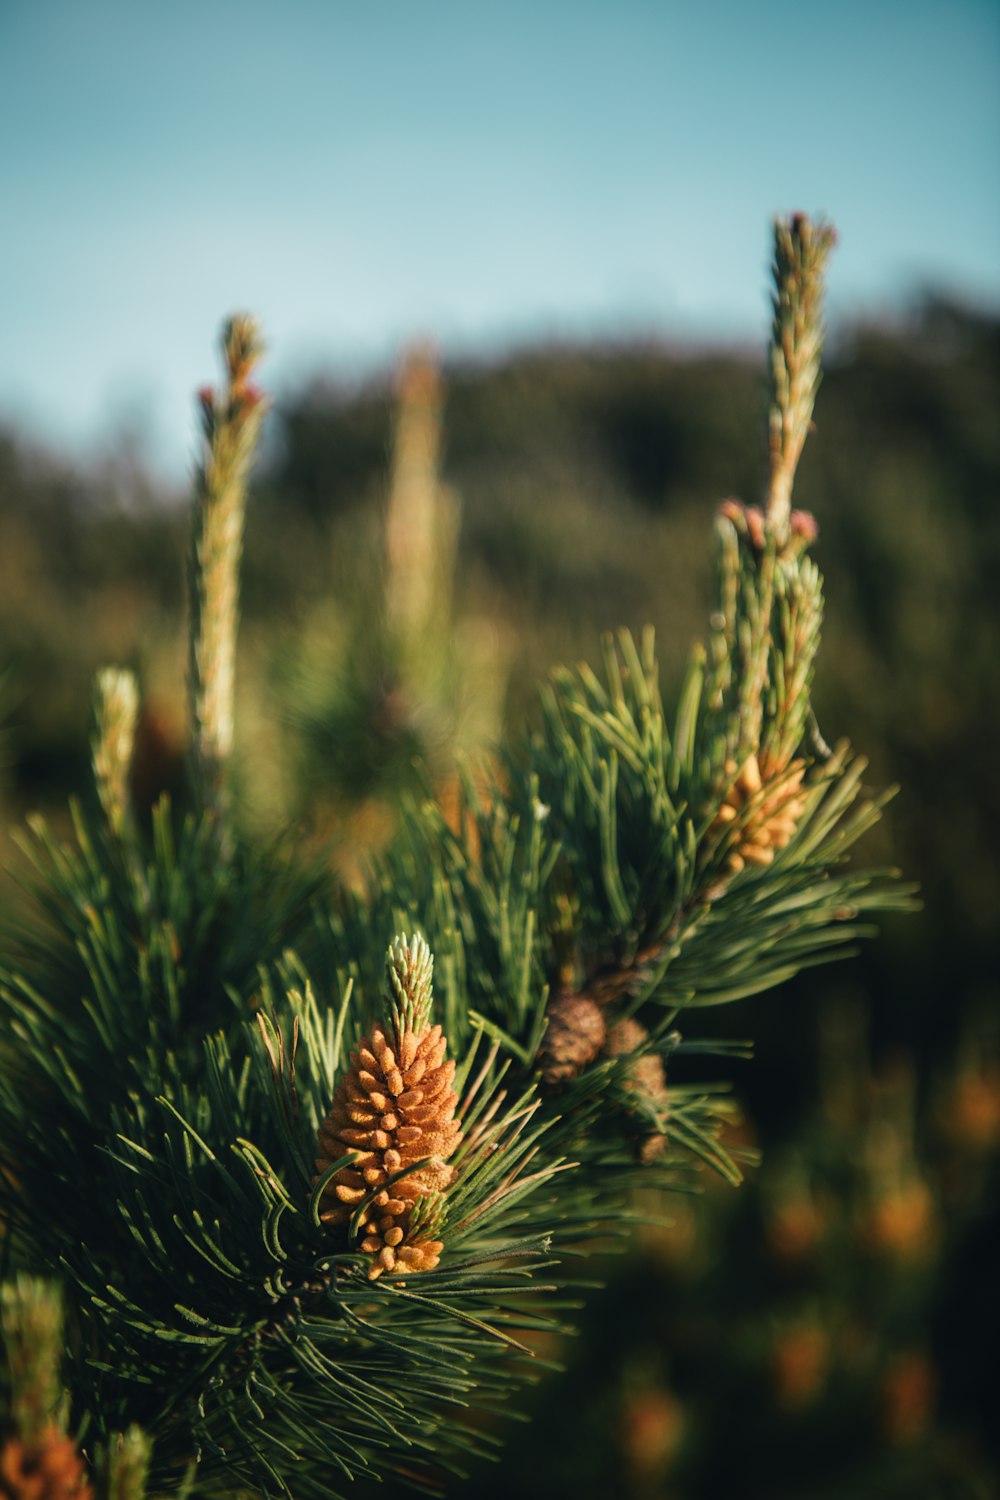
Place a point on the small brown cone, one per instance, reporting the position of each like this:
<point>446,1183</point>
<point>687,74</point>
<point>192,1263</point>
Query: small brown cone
<point>48,1469</point>
<point>645,1078</point>
<point>395,1106</point>
<point>777,809</point>
<point>574,1035</point>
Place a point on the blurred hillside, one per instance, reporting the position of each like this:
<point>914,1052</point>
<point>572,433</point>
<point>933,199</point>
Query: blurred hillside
<point>587,480</point>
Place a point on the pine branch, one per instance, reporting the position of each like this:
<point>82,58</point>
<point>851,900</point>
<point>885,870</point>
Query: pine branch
<point>232,421</point>
<point>801,250</point>
<point>124,1466</point>
<point>419,529</point>
<point>304,1220</point>
<point>116,709</point>
<point>38,1459</point>
<point>31,1329</point>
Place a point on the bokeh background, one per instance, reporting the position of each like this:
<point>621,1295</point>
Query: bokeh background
<point>572,203</point>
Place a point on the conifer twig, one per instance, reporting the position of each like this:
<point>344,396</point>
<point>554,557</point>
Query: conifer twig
<point>31,1330</point>
<point>116,709</point>
<point>412,523</point>
<point>38,1460</point>
<point>125,1465</point>
<point>317,1309</point>
<point>232,422</point>
<point>801,249</point>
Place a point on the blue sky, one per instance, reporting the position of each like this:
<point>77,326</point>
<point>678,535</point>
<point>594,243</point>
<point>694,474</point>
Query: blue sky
<point>484,173</point>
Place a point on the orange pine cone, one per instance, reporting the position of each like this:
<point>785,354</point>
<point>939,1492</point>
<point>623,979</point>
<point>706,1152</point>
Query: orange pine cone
<point>48,1469</point>
<point>772,823</point>
<point>394,1107</point>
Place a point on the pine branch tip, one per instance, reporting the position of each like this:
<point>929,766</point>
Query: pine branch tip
<point>409,968</point>
<point>231,422</point>
<point>802,247</point>
<point>116,713</point>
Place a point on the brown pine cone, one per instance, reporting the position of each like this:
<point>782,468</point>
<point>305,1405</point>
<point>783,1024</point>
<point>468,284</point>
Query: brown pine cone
<point>393,1107</point>
<point>48,1469</point>
<point>574,1035</point>
<point>645,1078</point>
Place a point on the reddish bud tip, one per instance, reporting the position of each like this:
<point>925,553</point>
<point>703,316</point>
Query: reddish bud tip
<point>206,404</point>
<point>804,524</point>
<point>250,397</point>
<point>755,525</point>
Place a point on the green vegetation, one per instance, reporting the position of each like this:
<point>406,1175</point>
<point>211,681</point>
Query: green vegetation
<point>585,480</point>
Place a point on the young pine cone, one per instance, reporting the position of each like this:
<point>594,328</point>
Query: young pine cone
<point>574,1035</point>
<point>771,824</point>
<point>393,1107</point>
<point>49,1469</point>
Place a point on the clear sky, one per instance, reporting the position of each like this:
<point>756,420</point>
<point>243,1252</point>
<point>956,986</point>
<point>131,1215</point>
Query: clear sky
<point>487,173</point>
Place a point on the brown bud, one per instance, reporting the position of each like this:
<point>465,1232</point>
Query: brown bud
<point>803,523</point>
<point>248,397</point>
<point>755,526</point>
<point>645,1078</point>
<point>748,520</point>
<point>574,1035</point>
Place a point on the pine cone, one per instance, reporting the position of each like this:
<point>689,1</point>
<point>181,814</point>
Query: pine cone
<point>48,1469</point>
<point>574,1035</point>
<point>393,1107</point>
<point>645,1078</point>
<point>772,823</point>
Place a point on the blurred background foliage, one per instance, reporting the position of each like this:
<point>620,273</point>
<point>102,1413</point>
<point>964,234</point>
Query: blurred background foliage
<point>831,1328</point>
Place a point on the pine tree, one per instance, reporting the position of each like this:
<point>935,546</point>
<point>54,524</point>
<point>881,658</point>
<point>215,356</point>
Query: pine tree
<point>393,677</point>
<point>316,1166</point>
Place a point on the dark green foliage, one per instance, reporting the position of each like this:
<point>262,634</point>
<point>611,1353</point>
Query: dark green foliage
<point>178,1012</point>
<point>137,953</point>
<point>155,1170</point>
<point>807,1336</point>
<point>168,1174</point>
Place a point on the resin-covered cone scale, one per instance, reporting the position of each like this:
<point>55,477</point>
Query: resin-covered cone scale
<point>395,1109</point>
